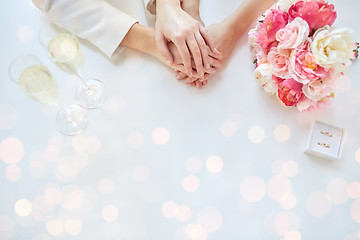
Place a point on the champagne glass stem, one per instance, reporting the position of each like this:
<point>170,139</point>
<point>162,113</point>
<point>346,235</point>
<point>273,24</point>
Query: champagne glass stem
<point>89,90</point>
<point>82,79</point>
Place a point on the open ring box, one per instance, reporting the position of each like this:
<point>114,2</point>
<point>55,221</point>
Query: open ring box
<point>325,140</point>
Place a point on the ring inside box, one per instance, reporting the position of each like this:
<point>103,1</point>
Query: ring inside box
<point>325,140</point>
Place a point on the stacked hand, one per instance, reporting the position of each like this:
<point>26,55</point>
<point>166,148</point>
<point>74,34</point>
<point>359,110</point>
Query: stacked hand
<point>225,42</point>
<point>185,44</point>
<point>195,79</point>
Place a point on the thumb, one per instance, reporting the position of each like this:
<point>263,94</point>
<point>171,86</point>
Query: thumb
<point>161,42</point>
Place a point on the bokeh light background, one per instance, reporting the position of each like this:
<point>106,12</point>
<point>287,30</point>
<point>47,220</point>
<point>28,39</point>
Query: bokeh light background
<point>164,161</point>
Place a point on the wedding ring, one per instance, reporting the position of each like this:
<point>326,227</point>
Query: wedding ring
<point>326,133</point>
<point>323,145</point>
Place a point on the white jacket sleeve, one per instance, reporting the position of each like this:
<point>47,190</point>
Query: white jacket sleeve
<point>95,20</point>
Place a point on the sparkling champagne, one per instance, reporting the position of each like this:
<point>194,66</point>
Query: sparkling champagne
<point>65,52</point>
<point>38,83</point>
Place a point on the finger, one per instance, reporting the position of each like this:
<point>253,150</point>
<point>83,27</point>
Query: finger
<point>196,54</point>
<point>178,67</point>
<point>203,49</point>
<point>181,76</point>
<point>181,68</point>
<point>188,81</point>
<point>185,56</point>
<point>164,49</point>
<point>198,84</point>
<point>211,71</point>
<point>215,63</point>
<point>204,33</point>
<point>193,84</point>
<point>216,55</point>
<point>206,77</point>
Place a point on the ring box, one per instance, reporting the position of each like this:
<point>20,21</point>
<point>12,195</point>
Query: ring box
<point>325,140</point>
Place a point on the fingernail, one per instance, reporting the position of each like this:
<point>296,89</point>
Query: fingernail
<point>187,81</point>
<point>177,77</point>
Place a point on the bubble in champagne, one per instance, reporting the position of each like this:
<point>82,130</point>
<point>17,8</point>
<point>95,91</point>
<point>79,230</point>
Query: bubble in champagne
<point>38,83</point>
<point>64,50</point>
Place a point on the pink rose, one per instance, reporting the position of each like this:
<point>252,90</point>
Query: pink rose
<point>303,67</point>
<point>319,89</point>
<point>289,91</point>
<point>280,62</point>
<point>307,105</point>
<point>272,23</point>
<point>261,57</point>
<point>317,13</point>
<point>293,34</point>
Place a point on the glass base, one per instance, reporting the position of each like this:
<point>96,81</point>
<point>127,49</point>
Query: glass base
<point>93,94</point>
<point>71,119</point>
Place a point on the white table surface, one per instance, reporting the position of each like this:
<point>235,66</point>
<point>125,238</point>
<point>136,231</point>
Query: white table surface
<point>161,160</point>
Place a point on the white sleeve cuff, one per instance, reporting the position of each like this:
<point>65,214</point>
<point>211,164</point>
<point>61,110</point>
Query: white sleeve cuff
<point>97,21</point>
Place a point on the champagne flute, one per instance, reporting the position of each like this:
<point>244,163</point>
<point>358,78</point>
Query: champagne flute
<point>37,82</point>
<point>64,50</point>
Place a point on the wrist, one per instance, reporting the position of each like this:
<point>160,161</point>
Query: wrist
<point>192,12</point>
<point>190,6</point>
<point>164,5</point>
<point>148,45</point>
<point>230,28</point>
<point>141,38</point>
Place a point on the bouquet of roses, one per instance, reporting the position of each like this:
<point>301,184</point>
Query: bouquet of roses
<point>300,57</point>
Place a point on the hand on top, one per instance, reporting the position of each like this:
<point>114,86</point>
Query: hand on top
<point>196,51</point>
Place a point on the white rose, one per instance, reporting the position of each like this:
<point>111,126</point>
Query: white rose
<point>333,48</point>
<point>263,75</point>
<point>252,37</point>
